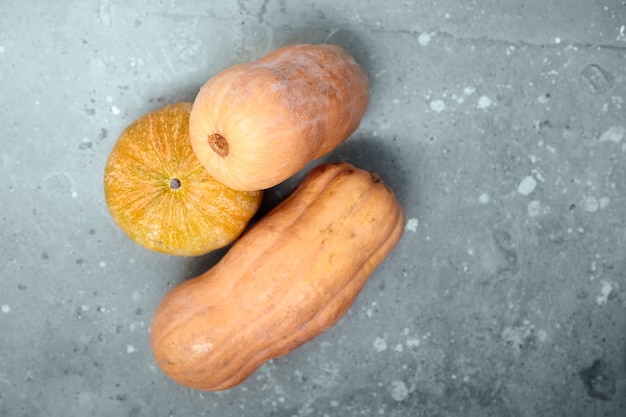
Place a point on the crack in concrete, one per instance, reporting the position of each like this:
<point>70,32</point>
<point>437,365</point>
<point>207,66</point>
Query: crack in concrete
<point>182,17</point>
<point>104,13</point>
<point>496,41</point>
<point>260,16</point>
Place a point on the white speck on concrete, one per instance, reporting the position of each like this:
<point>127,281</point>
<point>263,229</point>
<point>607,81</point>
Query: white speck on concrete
<point>517,336</point>
<point>399,391</point>
<point>399,347</point>
<point>380,344</point>
<point>411,225</point>
<point>334,403</point>
<point>527,185</point>
<point>613,134</point>
<point>102,264</point>
<point>591,204</point>
<point>484,198</point>
<point>484,102</point>
<point>537,174</point>
<point>437,106</point>
<point>542,335</point>
<point>469,90</point>
<point>622,33</point>
<point>1,49</point>
<point>412,342</point>
<point>605,292</point>
<point>534,208</point>
<point>424,38</point>
<point>5,308</point>
<point>130,349</point>
<point>604,201</point>
<point>74,194</point>
<point>557,40</point>
<point>115,110</point>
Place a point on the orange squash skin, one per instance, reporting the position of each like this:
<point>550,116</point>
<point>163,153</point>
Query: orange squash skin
<point>256,124</point>
<point>159,194</point>
<point>293,275</point>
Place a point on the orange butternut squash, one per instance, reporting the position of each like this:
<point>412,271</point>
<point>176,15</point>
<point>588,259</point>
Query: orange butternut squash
<point>254,125</point>
<point>293,275</point>
<point>162,198</point>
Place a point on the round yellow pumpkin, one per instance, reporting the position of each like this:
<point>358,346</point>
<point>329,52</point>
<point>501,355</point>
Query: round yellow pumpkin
<point>162,197</point>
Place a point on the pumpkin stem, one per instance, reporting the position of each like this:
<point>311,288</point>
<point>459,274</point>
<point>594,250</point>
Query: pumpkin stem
<point>175,184</point>
<point>219,144</point>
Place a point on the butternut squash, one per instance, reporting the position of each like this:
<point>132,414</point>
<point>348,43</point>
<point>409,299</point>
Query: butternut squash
<point>254,125</point>
<point>293,275</point>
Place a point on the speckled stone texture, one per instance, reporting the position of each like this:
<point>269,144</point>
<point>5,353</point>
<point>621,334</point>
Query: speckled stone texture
<point>501,125</point>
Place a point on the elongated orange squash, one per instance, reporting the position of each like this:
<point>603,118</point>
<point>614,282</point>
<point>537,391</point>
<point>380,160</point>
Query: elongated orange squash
<point>256,124</point>
<point>293,275</point>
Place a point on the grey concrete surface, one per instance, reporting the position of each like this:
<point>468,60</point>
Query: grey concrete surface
<point>500,124</point>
